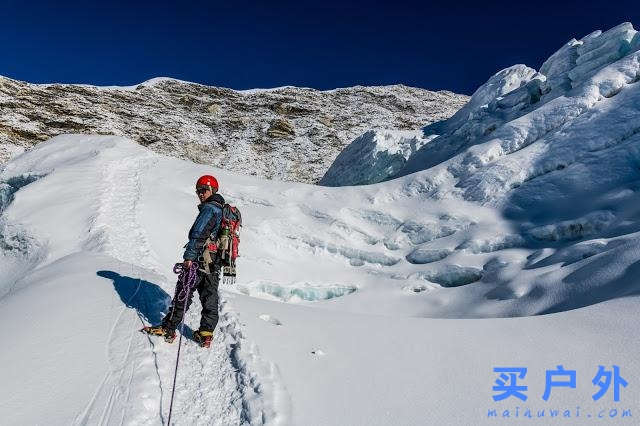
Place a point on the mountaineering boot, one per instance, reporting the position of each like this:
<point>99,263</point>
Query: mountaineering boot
<point>203,338</point>
<point>158,330</point>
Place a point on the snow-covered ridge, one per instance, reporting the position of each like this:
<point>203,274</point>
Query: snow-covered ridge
<point>285,133</point>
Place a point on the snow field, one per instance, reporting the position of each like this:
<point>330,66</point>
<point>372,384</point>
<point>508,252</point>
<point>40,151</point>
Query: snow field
<point>272,362</point>
<point>98,243</point>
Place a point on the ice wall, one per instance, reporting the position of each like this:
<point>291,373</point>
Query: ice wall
<point>374,157</point>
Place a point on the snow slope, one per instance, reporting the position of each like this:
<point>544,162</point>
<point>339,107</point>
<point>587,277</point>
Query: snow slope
<point>99,279</point>
<point>93,225</point>
<point>554,156</point>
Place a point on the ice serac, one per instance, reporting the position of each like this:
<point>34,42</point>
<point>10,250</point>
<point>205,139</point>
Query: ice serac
<point>596,52</point>
<point>499,100</point>
<point>522,125</point>
<point>374,157</point>
<point>557,67</point>
<point>379,155</point>
<point>635,43</point>
<point>515,108</point>
<point>503,82</point>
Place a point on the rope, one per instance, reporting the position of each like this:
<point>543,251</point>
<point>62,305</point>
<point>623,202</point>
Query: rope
<point>188,280</point>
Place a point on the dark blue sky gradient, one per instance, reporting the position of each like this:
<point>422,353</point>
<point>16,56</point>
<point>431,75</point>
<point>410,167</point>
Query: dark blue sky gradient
<point>322,44</point>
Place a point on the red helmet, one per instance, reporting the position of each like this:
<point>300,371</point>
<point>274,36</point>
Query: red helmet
<point>208,181</point>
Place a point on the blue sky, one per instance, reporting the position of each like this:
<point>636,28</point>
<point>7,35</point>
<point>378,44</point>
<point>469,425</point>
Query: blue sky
<point>323,44</point>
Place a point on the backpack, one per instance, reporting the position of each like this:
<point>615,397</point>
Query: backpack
<point>225,244</point>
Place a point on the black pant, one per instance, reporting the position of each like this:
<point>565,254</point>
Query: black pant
<point>207,286</point>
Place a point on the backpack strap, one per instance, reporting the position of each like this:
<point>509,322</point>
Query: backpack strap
<point>216,203</point>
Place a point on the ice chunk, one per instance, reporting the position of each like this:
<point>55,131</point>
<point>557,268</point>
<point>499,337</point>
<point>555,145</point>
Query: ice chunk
<point>271,320</point>
<point>578,252</point>
<point>498,85</point>
<point>419,233</point>
<point>356,257</point>
<point>374,157</point>
<point>377,218</point>
<point>557,67</point>
<point>494,265</point>
<point>394,242</point>
<point>495,243</point>
<point>529,93</point>
<point>590,36</point>
<point>413,232</point>
<point>599,51</point>
<point>635,43</point>
<point>587,225</point>
<point>296,292</point>
<point>422,255</point>
<point>351,233</point>
<point>452,275</point>
<point>419,287</point>
<point>356,262</point>
<point>20,251</point>
<point>611,52</point>
<point>624,31</point>
<point>562,60</point>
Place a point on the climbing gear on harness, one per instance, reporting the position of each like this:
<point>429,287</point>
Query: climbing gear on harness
<point>229,242</point>
<point>224,245</point>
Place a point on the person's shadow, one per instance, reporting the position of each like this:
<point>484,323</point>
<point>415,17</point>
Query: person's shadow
<point>148,299</point>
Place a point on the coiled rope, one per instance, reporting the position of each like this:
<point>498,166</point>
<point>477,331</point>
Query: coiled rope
<point>188,280</point>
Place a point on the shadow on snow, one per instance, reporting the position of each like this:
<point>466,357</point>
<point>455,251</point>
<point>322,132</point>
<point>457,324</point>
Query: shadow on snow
<point>148,299</point>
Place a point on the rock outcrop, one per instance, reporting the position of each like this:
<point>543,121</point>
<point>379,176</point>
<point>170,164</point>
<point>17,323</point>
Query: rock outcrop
<point>286,133</point>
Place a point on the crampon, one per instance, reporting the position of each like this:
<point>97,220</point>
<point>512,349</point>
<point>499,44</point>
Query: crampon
<point>203,338</point>
<point>158,330</point>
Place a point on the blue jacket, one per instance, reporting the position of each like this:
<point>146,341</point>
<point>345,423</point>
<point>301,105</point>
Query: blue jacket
<point>207,223</point>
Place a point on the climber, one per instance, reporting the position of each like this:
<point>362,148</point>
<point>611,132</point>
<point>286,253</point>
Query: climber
<point>205,227</point>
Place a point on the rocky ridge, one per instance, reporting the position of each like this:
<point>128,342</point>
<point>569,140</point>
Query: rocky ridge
<point>286,133</point>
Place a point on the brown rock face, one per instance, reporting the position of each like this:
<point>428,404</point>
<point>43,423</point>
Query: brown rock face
<point>281,128</point>
<point>287,133</point>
